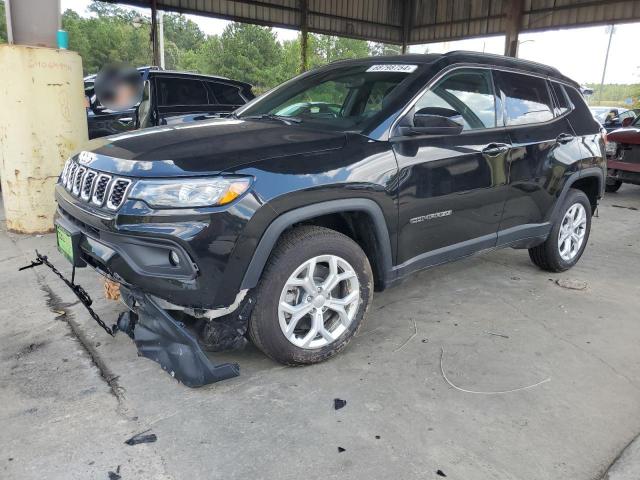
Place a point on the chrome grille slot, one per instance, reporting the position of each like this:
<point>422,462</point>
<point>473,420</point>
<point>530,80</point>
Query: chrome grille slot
<point>65,171</point>
<point>116,195</point>
<point>101,189</point>
<point>87,185</point>
<point>71,175</point>
<point>77,181</point>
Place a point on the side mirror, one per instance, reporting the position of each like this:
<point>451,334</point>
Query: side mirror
<point>627,121</point>
<point>435,121</point>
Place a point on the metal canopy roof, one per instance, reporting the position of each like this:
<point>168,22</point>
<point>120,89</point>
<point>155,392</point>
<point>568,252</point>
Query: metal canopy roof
<point>408,21</point>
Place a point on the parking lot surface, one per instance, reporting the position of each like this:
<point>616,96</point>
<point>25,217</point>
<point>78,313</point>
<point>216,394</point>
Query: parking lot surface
<point>70,395</point>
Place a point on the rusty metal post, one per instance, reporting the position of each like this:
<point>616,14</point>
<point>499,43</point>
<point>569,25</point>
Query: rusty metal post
<point>304,37</point>
<point>513,24</point>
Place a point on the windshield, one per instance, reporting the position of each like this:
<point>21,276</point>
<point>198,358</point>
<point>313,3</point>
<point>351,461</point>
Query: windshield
<point>342,98</point>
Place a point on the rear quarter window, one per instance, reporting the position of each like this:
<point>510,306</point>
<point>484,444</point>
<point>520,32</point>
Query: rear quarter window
<point>224,94</point>
<point>526,98</point>
<point>562,100</point>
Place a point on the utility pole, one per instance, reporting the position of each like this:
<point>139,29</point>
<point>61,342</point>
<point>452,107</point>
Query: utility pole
<point>161,38</point>
<point>606,60</point>
<point>304,37</point>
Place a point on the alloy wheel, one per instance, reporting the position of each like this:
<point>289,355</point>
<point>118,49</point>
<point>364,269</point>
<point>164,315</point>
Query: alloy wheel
<point>572,232</point>
<point>319,301</point>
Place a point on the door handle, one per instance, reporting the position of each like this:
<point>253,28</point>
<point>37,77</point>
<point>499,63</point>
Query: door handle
<point>125,121</point>
<point>564,138</point>
<point>495,149</point>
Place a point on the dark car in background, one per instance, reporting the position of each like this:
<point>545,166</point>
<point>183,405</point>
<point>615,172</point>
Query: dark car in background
<point>169,98</point>
<point>623,156</point>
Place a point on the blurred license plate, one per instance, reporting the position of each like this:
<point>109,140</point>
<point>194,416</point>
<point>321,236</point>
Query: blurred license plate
<point>65,243</point>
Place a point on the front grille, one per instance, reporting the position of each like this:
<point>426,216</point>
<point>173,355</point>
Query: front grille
<point>91,186</point>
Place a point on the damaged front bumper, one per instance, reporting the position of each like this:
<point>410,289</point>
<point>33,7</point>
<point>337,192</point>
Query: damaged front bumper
<point>170,342</point>
<point>170,335</point>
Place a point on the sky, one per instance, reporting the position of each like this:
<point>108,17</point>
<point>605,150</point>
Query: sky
<point>581,56</point>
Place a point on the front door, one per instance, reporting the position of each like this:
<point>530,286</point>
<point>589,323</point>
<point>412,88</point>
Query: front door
<point>452,187</point>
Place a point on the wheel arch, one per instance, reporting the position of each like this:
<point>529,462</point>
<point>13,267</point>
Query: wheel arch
<point>299,215</point>
<point>589,180</point>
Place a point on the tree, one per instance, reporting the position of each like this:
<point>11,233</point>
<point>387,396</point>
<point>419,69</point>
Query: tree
<point>327,48</point>
<point>380,49</point>
<point>3,24</point>
<point>245,52</point>
<point>184,33</point>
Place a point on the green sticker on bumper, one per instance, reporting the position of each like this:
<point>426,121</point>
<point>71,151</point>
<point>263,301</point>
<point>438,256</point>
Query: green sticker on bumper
<point>65,245</point>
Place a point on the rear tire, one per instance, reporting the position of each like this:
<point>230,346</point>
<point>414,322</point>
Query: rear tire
<point>568,237</point>
<point>613,186</point>
<point>312,271</point>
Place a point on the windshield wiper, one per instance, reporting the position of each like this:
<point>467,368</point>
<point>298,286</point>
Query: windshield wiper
<point>272,116</point>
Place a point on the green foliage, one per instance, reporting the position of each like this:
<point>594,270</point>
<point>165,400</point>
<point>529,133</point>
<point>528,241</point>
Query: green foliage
<point>614,94</point>
<point>114,35</point>
<point>3,24</point>
<point>243,52</point>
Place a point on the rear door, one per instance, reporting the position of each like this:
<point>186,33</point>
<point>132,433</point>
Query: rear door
<point>544,152</point>
<point>452,188</point>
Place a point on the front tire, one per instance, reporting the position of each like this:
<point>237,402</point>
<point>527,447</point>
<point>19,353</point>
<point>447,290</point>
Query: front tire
<point>312,296</point>
<point>569,235</point>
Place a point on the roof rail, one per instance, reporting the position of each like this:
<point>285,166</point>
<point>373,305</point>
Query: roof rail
<point>503,57</point>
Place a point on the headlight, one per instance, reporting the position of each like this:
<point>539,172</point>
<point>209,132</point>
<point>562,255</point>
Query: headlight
<point>190,192</point>
<point>611,148</point>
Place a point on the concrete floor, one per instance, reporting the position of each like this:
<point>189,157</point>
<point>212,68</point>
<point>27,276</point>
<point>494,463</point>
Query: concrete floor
<point>70,395</point>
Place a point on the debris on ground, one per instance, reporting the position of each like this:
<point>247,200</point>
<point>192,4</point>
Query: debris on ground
<point>444,375</point>
<point>415,332</point>
<point>571,284</point>
<point>377,437</point>
<point>623,206</point>
<point>142,438</point>
<point>496,334</point>
<point>115,475</point>
<point>338,403</point>
<point>440,473</point>
<point>340,449</point>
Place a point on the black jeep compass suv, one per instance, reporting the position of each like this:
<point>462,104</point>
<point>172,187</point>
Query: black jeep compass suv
<point>279,221</point>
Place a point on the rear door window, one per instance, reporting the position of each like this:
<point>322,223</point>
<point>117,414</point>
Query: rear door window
<point>526,98</point>
<point>174,91</point>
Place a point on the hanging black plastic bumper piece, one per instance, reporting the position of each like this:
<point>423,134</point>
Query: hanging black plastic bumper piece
<point>163,339</point>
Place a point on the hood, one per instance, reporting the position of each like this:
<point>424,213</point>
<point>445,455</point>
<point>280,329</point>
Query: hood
<point>204,148</point>
<point>625,135</point>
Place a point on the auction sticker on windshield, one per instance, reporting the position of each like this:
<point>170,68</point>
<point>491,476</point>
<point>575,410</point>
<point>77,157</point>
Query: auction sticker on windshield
<point>389,67</point>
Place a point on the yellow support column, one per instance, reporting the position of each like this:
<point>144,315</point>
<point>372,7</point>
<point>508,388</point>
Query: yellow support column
<point>42,121</point>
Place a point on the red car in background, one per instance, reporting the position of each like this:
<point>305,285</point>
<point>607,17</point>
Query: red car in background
<point>623,156</point>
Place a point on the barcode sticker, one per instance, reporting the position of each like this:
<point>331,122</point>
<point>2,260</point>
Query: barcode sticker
<point>389,67</point>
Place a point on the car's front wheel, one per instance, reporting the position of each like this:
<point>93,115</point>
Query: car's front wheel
<point>312,297</point>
